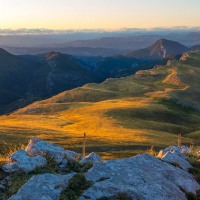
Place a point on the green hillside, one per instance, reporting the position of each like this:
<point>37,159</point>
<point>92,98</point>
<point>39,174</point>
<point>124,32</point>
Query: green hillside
<point>121,116</point>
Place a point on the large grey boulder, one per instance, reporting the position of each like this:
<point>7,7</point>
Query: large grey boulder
<point>43,187</point>
<point>91,158</point>
<point>37,146</point>
<point>20,161</point>
<point>142,177</point>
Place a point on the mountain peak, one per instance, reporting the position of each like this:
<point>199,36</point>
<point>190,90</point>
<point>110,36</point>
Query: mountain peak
<point>164,41</point>
<point>162,48</point>
<point>51,55</point>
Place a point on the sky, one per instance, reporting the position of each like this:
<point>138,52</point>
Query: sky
<point>98,14</point>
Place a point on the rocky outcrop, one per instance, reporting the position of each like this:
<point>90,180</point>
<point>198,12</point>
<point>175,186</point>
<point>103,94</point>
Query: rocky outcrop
<point>60,155</point>
<point>141,177</point>
<point>176,156</point>
<point>34,156</point>
<point>91,158</point>
<point>21,161</point>
<point>180,150</point>
<point>43,186</point>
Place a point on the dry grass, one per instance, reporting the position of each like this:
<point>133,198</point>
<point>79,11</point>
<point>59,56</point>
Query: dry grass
<point>118,115</point>
<point>8,151</point>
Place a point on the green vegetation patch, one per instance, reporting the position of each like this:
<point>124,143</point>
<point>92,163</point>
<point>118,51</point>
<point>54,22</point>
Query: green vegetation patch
<point>76,186</point>
<point>15,182</point>
<point>78,167</point>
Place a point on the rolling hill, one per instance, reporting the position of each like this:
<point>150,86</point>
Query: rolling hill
<point>26,78</point>
<point>122,116</point>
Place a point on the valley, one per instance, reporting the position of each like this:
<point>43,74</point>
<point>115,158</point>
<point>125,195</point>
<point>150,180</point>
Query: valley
<point>121,116</point>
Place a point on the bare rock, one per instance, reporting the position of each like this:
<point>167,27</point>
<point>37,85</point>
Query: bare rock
<point>142,177</point>
<point>176,155</point>
<point>72,155</point>
<point>38,147</point>
<point>21,161</point>
<point>179,150</point>
<point>43,187</point>
<point>176,159</point>
<point>91,158</point>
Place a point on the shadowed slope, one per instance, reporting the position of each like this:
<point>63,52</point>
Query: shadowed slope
<point>121,115</point>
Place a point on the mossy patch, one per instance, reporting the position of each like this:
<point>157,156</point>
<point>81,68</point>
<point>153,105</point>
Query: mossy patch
<point>78,167</point>
<point>76,186</point>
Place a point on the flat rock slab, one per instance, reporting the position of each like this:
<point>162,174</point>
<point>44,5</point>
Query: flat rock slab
<point>20,161</point>
<point>43,187</point>
<point>142,177</point>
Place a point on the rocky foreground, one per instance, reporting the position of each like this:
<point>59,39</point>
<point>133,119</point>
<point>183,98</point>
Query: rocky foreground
<point>143,177</point>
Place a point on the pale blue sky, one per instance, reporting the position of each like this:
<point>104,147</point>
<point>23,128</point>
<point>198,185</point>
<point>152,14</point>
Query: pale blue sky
<point>89,14</point>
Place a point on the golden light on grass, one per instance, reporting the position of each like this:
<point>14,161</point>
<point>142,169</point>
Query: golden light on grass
<point>126,115</point>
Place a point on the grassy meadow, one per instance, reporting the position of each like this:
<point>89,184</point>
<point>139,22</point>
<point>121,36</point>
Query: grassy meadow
<point>122,117</point>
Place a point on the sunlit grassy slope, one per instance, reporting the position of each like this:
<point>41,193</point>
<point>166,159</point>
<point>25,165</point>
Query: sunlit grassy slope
<point>121,116</point>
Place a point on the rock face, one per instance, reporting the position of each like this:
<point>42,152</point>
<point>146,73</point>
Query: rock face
<point>43,186</point>
<point>141,177</point>
<point>176,156</point>
<point>176,159</point>
<point>37,147</point>
<point>181,150</point>
<point>91,158</point>
<point>21,161</point>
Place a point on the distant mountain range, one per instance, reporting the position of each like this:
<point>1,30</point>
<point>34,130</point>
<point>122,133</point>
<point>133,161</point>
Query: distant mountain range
<point>76,51</point>
<point>27,78</point>
<point>105,44</point>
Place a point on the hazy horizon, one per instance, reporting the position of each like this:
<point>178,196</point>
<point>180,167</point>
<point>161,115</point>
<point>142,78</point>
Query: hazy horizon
<point>95,14</point>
